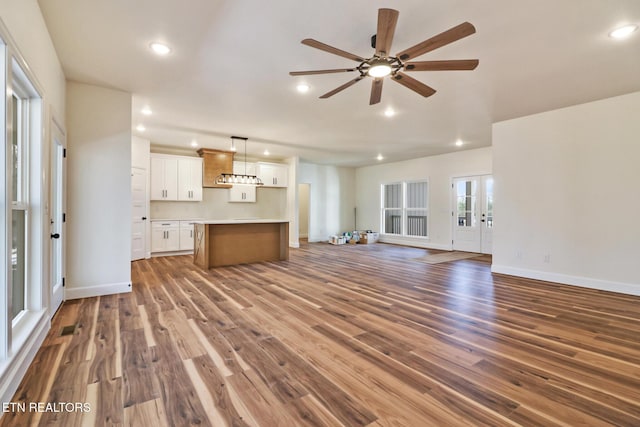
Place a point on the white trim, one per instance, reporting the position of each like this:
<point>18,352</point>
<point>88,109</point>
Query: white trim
<point>13,370</point>
<point>417,242</point>
<point>293,244</point>
<point>97,290</point>
<point>584,282</point>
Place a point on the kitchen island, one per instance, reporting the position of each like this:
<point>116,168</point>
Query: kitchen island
<point>229,242</point>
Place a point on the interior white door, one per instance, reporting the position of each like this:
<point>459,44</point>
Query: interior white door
<point>473,213</point>
<point>138,213</point>
<point>57,217</point>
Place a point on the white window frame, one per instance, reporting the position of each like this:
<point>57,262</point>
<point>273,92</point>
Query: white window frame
<point>404,209</point>
<point>16,77</point>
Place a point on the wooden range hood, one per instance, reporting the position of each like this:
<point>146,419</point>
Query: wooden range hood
<point>215,162</point>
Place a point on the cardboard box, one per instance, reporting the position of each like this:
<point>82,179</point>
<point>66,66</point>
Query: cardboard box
<point>367,238</point>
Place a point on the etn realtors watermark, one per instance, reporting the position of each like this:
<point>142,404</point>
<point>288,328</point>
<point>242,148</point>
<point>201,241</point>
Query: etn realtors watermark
<point>23,407</point>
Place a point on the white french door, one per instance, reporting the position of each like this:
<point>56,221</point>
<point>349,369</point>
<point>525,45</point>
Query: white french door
<point>472,213</point>
<point>57,217</point>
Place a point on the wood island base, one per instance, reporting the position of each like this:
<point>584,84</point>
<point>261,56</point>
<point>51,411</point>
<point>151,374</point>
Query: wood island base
<point>221,243</point>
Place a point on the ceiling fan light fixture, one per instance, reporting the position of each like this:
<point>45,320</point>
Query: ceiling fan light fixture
<point>379,68</point>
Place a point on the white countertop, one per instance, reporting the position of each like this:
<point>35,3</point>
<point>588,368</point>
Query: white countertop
<point>241,221</point>
<point>176,219</point>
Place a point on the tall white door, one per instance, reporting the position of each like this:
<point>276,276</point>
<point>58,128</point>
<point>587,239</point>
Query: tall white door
<point>139,213</point>
<point>57,217</point>
<point>472,213</point>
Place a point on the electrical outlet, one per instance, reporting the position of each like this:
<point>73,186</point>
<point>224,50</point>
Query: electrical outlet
<point>518,254</point>
<point>547,258</point>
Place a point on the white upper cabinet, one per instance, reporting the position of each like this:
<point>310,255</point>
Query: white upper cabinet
<point>176,178</point>
<point>273,174</point>
<point>239,168</point>
<point>242,193</point>
<point>164,177</point>
<point>190,179</point>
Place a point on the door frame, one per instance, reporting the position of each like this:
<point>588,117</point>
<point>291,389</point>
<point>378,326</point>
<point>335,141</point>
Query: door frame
<point>57,208</point>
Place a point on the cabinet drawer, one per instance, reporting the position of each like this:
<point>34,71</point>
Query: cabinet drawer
<point>165,224</point>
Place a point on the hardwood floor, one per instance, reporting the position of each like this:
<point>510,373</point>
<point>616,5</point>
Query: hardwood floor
<point>340,336</point>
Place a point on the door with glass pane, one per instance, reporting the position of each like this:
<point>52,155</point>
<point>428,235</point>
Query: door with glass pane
<point>473,213</point>
<point>57,198</point>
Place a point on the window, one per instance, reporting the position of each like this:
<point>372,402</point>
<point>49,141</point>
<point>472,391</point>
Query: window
<point>21,287</point>
<point>19,205</point>
<point>405,208</point>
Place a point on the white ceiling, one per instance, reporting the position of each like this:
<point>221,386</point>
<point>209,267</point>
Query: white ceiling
<point>228,71</point>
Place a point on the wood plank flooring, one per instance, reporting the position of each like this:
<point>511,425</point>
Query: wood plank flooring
<point>340,336</point>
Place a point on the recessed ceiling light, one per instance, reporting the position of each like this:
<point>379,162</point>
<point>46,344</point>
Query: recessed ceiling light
<point>160,48</point>
<point>459,143</point>
<point>623,32</point>
<point>141,128</point>
<point>194,143</point>
<point>302,88</point>
<point>266,152</point>
<point>389,112</point>
<point>146,111</point>
<point>380,157</point>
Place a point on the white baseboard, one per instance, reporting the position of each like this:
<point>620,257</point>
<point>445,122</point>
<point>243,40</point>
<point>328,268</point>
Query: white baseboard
<point>294,244</point>
<point>14,369</point>
<point>416,243</point>
<point>171,253</point>
<point>96,291</point>
<point>585,282</point>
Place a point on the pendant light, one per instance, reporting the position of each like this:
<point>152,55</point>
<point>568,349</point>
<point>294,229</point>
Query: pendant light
<point>233,178</point>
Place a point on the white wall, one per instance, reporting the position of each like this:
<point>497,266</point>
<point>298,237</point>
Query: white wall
<point>303,209</point>
<point>24,21</point>
<point>566,190</point>
<point>99,191</point>
<point>332,199</point>
<point>438,170</point>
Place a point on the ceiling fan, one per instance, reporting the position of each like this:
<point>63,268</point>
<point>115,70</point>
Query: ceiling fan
<point>382,64</point>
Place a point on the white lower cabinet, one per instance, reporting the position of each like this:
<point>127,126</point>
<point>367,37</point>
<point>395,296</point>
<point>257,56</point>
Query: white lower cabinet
<point>186,235</point>
<point>242,193</point>
<point>165,236</point>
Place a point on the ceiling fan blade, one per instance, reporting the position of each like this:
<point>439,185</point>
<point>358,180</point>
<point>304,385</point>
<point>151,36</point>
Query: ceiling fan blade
<point>451,35</point>
<point>331,49</point>
<point>414,85</point>
<point>308,73</point>
<point>387,20</point>
<point>341,88</point>
<point>376,91</point>
<point>456,64</point>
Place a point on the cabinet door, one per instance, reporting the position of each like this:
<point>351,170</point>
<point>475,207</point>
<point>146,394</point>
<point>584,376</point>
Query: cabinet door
<point>240,193</point>
<point>190,179</point>
<point>273,174</point>
<point>186,236</point>
<point>281,175</point>
<point>164,178</point>
<point>173,239</point>
<point>158,240</point>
